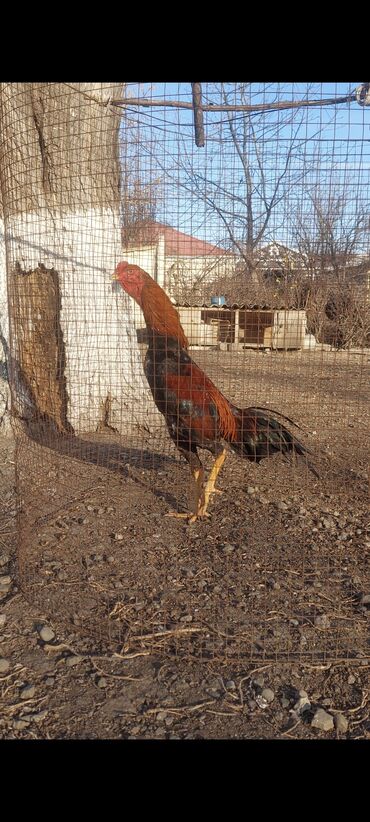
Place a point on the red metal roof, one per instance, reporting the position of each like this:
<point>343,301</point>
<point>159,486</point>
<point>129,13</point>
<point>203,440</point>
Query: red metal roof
<point>184,245</point>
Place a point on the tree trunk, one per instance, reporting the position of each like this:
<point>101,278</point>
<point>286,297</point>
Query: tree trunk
<point>60,186</point>
<point>4,334</point>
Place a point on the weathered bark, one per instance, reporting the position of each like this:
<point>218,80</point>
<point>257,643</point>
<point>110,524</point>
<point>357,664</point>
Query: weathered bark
<point>60,184</point>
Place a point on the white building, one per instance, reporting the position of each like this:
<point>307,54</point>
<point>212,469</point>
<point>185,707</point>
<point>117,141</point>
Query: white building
<point>179,261</point>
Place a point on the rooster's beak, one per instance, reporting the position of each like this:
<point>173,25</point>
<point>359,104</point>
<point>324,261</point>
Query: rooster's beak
<point>115,276</point>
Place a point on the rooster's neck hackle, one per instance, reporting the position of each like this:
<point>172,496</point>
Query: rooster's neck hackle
<point>160,314</point>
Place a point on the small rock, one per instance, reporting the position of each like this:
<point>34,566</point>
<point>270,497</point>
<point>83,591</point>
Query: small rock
<point>258,681</point>
<point>5,580</point>
<point>302,705</point>
<point>49,681</point>
<point>214,692</point>
<point>365,599</point>
<point>230,685</point>
<point>2,620</point>
<point>294,622</point>
<point>4,559</point>
<point>251,489</point>
<point>71,661</point>
<point>161,716</point>
<point>285,702</point>
<point>322,621</point>
<point>102,682</point>
<point>169,721</point>
<point>322,720</point>
<point>282,506</point>
<point>20,724</point>
<point>118,537</point>
<point>4,665</point>
<point>47,634</point>
<point>54,564</point>
<point>62,576</point>
<point>351,679</point>
<point>228,548</point>
<point>38,717</point>
<point>28,692</point>
<point>341,723</point>
<point>261,701</point>
<point>268,695</point>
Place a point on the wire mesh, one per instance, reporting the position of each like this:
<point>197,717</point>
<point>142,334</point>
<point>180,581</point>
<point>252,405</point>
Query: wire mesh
<point>260,238</point>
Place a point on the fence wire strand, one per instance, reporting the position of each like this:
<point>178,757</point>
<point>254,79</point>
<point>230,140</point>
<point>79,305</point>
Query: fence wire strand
<point>260,239</point>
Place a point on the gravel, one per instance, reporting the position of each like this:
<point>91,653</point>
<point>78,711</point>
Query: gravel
<point>4,665</point>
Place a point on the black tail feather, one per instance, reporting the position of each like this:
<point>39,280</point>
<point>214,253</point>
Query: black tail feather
<point>260,435</point>
<point>274,411</point>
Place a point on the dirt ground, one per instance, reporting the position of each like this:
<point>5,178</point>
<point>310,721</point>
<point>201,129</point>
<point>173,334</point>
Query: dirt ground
<point>252,624</point>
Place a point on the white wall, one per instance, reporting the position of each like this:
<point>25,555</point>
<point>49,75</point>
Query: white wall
<point>3,292</point>
<point>102,357</point>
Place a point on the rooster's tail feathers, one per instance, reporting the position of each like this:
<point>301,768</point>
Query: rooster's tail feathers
<point>260,435</point>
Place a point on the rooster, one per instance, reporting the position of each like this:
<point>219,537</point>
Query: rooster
<point>196,413</point>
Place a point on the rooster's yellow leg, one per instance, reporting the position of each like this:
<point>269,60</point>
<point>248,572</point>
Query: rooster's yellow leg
<point>210,485</point>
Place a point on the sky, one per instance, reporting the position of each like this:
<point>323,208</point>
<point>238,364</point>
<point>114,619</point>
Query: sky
<point>202,191</point>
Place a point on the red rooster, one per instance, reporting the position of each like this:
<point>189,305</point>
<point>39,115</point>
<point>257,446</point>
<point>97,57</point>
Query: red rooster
<point>196,413</point>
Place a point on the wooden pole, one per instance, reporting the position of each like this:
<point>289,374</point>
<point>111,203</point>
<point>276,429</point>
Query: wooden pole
<point>198,115</point>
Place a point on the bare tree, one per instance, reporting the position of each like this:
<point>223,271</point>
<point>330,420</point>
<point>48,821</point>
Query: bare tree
<point>330,236</point>
<point>330,233</point>
<point>138,208</point>
<point>262,172</point>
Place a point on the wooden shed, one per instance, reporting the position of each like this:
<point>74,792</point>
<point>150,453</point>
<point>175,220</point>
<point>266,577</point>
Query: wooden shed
<point>244,327</point>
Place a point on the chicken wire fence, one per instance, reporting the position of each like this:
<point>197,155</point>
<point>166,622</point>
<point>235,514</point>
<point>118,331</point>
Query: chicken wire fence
<point>248,205</point>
